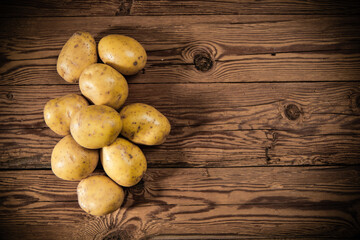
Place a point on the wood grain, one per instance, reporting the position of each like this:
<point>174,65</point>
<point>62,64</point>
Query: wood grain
<point>236,202</point>
<point>51,8</point>
<point>238,49</point>
<point>215,125</point>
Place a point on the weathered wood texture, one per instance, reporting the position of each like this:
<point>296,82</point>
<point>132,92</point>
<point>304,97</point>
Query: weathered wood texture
<point>215,125</point>
<point>254,92</point>
<point>237,49</point>
<point>235,202</point>
<point>23,8</point>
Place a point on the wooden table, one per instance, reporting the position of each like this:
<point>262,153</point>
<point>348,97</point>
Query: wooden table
<point>264,102</point>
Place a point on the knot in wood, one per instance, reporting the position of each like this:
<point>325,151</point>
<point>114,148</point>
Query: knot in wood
<point>357,102</point>
<point>292,112</point>
<point>203,62</point>
<point>9,96</point>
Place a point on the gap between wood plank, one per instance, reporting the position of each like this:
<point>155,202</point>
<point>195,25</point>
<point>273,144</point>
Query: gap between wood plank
<point>174,83</point>
<point>212,167</point>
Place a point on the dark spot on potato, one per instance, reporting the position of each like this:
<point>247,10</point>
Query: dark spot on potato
<point>102,73</point>
<point>84,162</point>
<point>89,124</point>
<point>151,126</point>
<point>138,129</point>
<point>76,45</point>
<point>132,134</point>
<point>123,116</point>
<point>89,134</point>
<point>61,122</point>
<point>108,92</point>
<point>135,63</point>
<point>130,156</point>
<point>133,122</point>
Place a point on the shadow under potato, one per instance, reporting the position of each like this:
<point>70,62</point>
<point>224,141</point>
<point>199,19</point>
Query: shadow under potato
<point>147,190</point>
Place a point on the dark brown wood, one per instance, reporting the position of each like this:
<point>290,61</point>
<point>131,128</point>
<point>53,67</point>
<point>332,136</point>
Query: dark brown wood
<point>214,125</point>
<point>239,202</point>
<point>51,8</point>
<point>237,49</point>
<point>254,91</point>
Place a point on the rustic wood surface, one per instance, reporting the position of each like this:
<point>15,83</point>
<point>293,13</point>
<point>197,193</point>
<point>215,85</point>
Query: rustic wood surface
<point>238,49</point>
<point>201,202</point>
<point>40,8</point>
<point>234,124</point>
<point>264,102</point>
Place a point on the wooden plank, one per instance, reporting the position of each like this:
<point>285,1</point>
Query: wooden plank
<point>184,7</point>
<point>238,49</point>
<point>215,125</point>
<point>51,8</point>
<point>195,203</point>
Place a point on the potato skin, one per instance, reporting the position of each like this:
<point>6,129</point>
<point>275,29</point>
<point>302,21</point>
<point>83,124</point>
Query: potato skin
<point>59,111</point>
<point>123,162</point>
<point>77,53</point>
<point>95,126</point>
<point>143,124</point>
<point>123,53</point>
<point>70,161</point>
<point>99,195</point>
<point>103,85</point>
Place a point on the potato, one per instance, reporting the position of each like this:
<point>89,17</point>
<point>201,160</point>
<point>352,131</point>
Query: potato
<point>123,162</point>
<point>77,53</point>
<point>123,53</point>
<point>59,111</point>
<point>144,124</point>
<point>95,126</point>
<point>103,85</point>
<point>99,195</point>
<point>70,161</point>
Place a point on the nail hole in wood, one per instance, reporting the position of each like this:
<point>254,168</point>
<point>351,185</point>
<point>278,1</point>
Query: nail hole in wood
<point>273,54</point>
<point>10,96</point>
<point>292,112</point>
<point>203,62</point>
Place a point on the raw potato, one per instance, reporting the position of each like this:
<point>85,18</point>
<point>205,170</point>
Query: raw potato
<point>99,195</point>
<point>77,53</point>
<point>95,126</point>
<point>123,53</point>
<point>70,161</point>
<point>144,124</point>
<point>59,111</point>
<point>103,85</point>
<point>123,162</point>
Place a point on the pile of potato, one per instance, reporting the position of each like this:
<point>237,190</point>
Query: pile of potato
<point>90,128</point>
